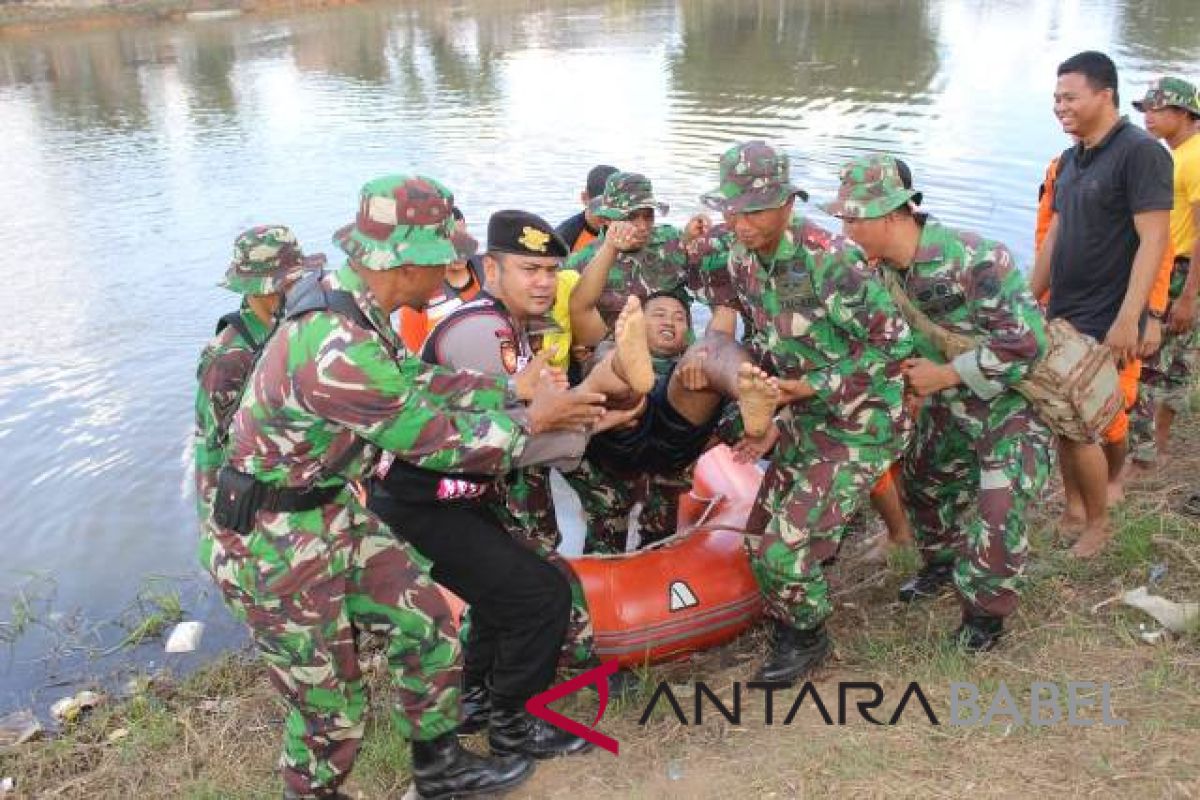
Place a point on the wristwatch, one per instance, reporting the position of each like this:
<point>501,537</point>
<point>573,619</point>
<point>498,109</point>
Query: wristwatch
<point>1156,315</point>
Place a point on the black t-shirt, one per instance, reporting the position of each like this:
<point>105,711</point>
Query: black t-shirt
<point>572,228</point>
<point>1097,192</point>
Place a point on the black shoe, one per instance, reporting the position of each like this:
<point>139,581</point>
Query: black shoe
<point>517,732</point>
<point>929,582</point>
<point>794,653</point>
<point>442,769</point>
<point>476,708</point>
<point>978,633</point>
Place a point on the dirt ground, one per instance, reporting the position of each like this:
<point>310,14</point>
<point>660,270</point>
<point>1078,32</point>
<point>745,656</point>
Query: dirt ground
<point>216,733</point>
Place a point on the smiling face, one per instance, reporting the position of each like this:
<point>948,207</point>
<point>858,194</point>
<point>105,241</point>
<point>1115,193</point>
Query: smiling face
<point>1081,109</point>
<point>666,326</point>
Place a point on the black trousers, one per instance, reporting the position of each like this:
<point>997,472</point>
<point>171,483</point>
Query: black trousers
<point>520,603</point>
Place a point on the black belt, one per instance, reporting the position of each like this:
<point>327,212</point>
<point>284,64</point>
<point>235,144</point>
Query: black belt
<point>265,497</point>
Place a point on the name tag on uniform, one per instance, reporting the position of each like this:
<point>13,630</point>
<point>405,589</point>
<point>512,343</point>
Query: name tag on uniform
<point>795,291</point>
<point>938,298</point>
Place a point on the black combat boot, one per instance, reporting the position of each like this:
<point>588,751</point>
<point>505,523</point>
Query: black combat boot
<point>442,768</point>
<point>978,633</point>
<point>476,708</point>
<point>794,653</point>
<point>929,582</point>
<point>516,731</point>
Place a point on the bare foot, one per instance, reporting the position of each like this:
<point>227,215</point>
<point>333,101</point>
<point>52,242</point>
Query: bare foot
<point>1071,525</point>
<point>757,398</point>
<point>633,353</point>
<point>1092,541</point>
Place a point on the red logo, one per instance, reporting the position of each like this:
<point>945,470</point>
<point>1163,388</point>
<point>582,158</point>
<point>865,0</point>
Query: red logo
<point>538,705</point>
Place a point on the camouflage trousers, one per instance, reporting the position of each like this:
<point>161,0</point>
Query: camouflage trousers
<point>993,455</point>
<point>526,509</point>
<point>1167,379</point>
<point>811,492</point>
<point>307,584</point>
<point>608,499</point>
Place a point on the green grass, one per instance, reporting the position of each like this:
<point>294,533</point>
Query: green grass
<point>384,761</point>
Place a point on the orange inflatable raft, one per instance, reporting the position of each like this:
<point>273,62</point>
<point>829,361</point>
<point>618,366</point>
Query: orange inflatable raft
<point>692,591</point>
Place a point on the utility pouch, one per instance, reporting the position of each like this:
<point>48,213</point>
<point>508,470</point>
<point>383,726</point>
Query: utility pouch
<point>239,497</point>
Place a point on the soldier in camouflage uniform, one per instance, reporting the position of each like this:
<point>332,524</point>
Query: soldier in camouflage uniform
<point>823,326</point>
<point>978,441</point>
<point>266,261</point>
<point>299,558</point>
<point>633,258</point>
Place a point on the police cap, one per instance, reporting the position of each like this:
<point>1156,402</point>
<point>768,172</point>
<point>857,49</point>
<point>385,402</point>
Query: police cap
<point>524,234</point>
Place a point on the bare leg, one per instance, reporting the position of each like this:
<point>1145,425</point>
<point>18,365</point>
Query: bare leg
<point>707,373</point>
<point>1074,517</point>
<point>891,509</point>
<point>1114,455</point>
<point>633,351</point>
<point>727,371</point>
<point>1163,419</point>
<point>602,374</point>
<point>1089,469</point>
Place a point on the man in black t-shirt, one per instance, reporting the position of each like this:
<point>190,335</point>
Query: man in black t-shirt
<point>578,231</point>
<point>1112,203</point>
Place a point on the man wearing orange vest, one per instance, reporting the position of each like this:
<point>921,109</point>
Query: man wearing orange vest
<point>582,229</point>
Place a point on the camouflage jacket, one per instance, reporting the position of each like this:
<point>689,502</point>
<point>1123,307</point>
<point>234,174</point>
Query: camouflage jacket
<point>661,266</point>
<point>323,380</point>
<point>816,311</point>
<point>969,285</point>
<point>224,367</point>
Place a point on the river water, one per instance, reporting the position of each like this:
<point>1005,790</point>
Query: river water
<point>131,158</point>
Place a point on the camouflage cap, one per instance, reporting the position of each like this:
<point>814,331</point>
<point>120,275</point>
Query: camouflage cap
<point>266,260</point>
<point>1166,92</point>
<point>402,220</point>
<point>625,193</point>
<point>754,177</point>
<point>872,186</point>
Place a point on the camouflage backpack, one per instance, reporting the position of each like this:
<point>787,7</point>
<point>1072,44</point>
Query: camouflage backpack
<point>1075,387</point>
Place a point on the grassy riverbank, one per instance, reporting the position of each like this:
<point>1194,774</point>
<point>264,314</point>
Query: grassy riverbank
<point>216,734</point>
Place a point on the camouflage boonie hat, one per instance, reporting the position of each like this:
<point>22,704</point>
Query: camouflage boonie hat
<point>872,186</point>
<point>1166,92</point>
<point>266,260</point>
<point>625,193</point>
<point>402,220</point>
<point>754,177</point>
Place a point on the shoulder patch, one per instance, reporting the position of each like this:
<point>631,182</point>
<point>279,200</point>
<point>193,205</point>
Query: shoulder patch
<point>508,353</point>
